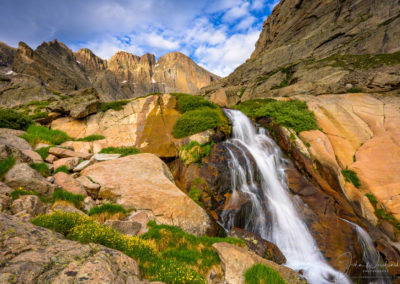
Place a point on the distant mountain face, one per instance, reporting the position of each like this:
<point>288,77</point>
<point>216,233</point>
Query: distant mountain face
<point>317,47</point>
<point>51,69</point>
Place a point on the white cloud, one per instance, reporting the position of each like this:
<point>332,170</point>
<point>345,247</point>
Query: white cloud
<point>257,4</point>
<point>156,40</point>
<point>236,12</point>
<point>223,58</point>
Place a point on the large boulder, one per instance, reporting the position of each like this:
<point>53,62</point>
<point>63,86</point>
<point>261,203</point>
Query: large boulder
<point>15,141</point>
<point>22,175</point>
<point>236,260</point>
<point>28,206</point>
<point>32,254</point>
<point>78,104</point>
<point>143,181</point>
<point>145,123</point>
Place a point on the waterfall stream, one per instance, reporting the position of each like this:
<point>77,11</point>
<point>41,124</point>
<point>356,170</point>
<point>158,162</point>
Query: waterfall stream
<point>257,171</point>
<point>375,268</point>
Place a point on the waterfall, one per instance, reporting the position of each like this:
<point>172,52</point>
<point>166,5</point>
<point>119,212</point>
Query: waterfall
<point>257,172</point>
<point>375,268</point>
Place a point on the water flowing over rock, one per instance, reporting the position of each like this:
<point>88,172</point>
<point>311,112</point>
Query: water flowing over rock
<point>273,214</point>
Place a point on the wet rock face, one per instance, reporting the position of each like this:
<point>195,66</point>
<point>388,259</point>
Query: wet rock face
<point>32,254</point>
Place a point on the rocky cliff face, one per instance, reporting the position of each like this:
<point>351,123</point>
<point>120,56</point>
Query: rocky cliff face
<point>317,47</point>
<point>53,68</point>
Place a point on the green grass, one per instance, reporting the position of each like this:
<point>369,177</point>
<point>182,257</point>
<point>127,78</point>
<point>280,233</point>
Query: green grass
<point>195,121</point>
<point>39,115</point>
<point>40,134</point>
<point>194,152</point>
<point>372,199</point>
<point>6,165</point>
<point>293,114</point>
<point>354,90</point>
<point>20,191</point>
<point>41,168</point>
<point>188,102</point>
<point>363,61</point>
<point>12,119</point>
<point>261,274</point>
<point>117,105</point>
<point>195,195</point>
<point>63,169</point>
<point>153,265</point>
<point>351,176</point>
<point>43,152</point>
<point>91,138</point>
<point>60,194</point>
<point>124,151</point>
<point>109,208</point>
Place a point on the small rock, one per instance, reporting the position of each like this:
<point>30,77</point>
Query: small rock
<point>66,207</point>
<point>50,166</point>
<point>4,189</point>
<point>15,141</point>
<point>9,131</point>
<point>90,186</point>
<point>142,218</point>
<point>70,163</point>
<point>7,151</point>
<point>65,153</point>
<point>125,227</point>
<point>89,203</point>
<point>82,165</point>
<point>36,158</point>
<point>41,145</point>
<point>349,86</point>
<point>5,203</point>
<point>260,246</point>
<point>51,158</point>
<point>50,179</point>
<point>30,204</point>
<point>104,157</point>
<point>22,175</point>
<point>68,183</point>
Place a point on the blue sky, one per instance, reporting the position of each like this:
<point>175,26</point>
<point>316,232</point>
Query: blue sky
<point>219,35</point>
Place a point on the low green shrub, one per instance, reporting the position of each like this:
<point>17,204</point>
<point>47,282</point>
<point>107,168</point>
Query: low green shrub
<point>41,168</point>
<point>61,222</point>
<point>20,191</point>
<point>354,90</point>
<point>60,194</point>
<point>351,176</point>
<point>259,273</point>
<point>12,119</point>
<point>382,214</point>
<point>293,114</point>
<point>188,102</point>
<point>91,138</point>
<point>63,169</point>
<point>117,105</point>
<point>6,165</point>
<point>109,208</point>
<point>195,121</point>
<point>195,194</point>
<point>124,151</point>
<point>194,152</point>
<point>43,152</point>
<point>39,115</point>
<point>36,134</point>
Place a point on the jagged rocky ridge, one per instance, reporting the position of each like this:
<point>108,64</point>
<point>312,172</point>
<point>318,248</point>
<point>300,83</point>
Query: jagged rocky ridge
<point>319,47</point>
<point>27,75</point>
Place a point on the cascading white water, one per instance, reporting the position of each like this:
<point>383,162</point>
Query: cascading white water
<point>375,268</point>
<point>273,214</point>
